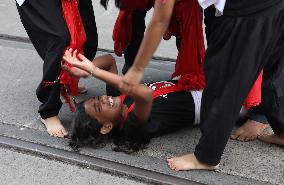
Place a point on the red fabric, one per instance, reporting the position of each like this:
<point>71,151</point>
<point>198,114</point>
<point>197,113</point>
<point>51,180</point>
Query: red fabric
<point>186,24</point>
<point>76,29</point>
<point>122,31</point>
<point>254,97</point>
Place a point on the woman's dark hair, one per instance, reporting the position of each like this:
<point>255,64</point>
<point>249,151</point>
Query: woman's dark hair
<point>104,3</point>
<point>85,132</point>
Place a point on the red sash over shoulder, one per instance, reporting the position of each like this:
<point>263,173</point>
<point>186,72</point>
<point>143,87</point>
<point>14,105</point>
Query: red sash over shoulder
<point>122,31</point>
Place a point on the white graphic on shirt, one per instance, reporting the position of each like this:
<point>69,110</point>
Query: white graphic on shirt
<point>158,85</point>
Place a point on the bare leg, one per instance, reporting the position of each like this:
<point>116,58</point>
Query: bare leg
<point>273,139</point>
<point>54,127</point>
<point>249,131</point>
<point>188,162</point>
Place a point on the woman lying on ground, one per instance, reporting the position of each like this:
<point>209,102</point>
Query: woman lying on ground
<point>147,111</point>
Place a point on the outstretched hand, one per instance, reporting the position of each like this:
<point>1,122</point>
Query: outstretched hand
<point>130,80</point>
<point>81,66</point>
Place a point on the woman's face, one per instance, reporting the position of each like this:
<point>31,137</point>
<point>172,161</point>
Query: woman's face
<point>104,108</point>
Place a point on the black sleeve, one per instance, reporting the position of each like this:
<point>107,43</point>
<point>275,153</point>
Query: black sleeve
<point>135,129</point>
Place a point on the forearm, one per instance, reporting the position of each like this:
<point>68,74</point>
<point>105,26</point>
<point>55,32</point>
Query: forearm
<point>110,78</point>
<point>106,62</point>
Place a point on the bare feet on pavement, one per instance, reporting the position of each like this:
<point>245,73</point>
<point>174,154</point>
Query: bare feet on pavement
<point>249,131</point>
<point>54,127</point>
<point>273,139</point>
<point>188,162</point>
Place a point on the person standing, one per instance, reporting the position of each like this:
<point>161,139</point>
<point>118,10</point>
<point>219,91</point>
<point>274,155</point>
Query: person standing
<point>248,37</point>
<point>45,25</point>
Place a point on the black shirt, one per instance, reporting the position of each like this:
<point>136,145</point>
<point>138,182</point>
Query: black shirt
<point>247,7</point>
<point>169,113</point>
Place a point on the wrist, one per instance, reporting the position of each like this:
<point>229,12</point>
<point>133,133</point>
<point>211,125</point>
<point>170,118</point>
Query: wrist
<point>138,68</point>
<point>93,70</point>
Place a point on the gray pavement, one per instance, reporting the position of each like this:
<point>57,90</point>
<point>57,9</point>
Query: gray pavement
<point>22,169</point>
<point>20,72</point>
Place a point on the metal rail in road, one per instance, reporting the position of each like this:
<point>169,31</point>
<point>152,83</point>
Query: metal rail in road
<point>94,163</point>
<point>27,40</point>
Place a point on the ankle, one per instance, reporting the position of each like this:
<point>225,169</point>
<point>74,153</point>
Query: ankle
<point>200,164</point>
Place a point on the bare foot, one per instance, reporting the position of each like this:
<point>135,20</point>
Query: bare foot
<point>54,127</point>
<point>188,162</point>
<point>273,139</point>
<point>82,89</point>
<point>249,131</point>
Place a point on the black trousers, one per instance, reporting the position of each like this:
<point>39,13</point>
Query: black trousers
<point>138,29</point>
<point>209,17</point>
<point>239,48</point>
<point>47,30</point>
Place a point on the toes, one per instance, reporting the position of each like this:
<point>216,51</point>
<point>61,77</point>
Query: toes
<point>64,132</point>
<point>248,139</point>
<point>52,134</point>
<point>241,138</point>
<point>60,133</point>
<point>170,159</point>
<point>234,136</point>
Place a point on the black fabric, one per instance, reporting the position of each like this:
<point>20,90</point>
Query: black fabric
<point>209,18</point>
<point>138,29</point>
<point>47,30</point>
<point>89,22</point>
<point>239,48</point>
<point>247,7</point>
<point>169,113</point>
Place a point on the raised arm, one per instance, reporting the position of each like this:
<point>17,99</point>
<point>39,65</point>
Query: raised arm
<point>141,94</point>
<point>154,33</point>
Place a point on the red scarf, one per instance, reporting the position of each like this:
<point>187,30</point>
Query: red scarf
<point>76,29</point>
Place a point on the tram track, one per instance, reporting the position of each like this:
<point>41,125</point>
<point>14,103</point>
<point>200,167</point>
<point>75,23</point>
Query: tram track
<point>27,40</point>
<point>90,162</point>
